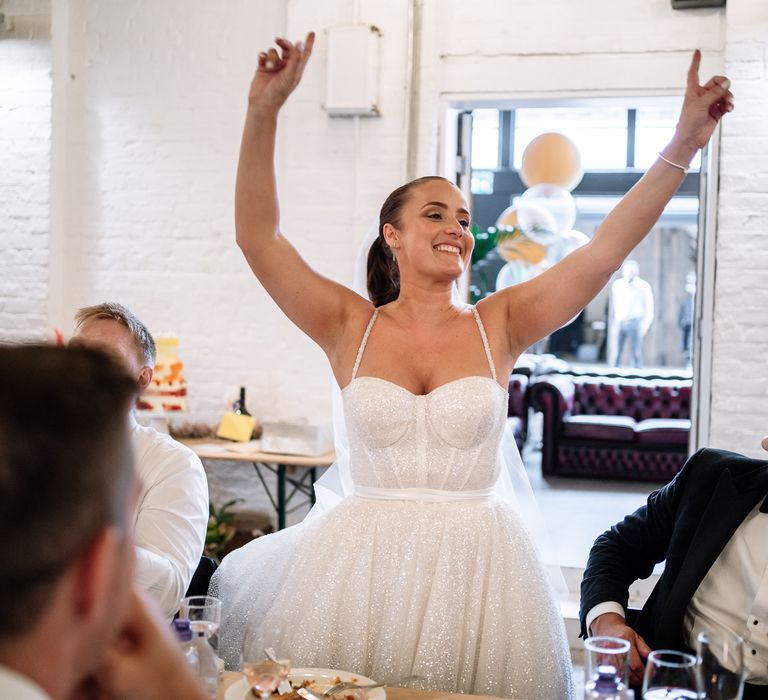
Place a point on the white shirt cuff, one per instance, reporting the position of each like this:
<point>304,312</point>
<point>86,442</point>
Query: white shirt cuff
<point>602,608</point>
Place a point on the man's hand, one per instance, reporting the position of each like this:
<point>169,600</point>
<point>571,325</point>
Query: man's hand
<point>614,625</point>
<point>145,661</point>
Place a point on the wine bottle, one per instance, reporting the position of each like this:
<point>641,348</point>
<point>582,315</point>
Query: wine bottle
<point>239,406</point>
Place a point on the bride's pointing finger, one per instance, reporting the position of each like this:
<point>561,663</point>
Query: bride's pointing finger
<point>305,49</point>
<point>693,71</point>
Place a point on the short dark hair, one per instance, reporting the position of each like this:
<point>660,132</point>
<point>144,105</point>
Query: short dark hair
<point>142,338</point>
<point>383,278</point>
<point>66,467</point>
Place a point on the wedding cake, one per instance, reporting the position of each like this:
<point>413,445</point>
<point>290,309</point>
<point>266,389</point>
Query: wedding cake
<point>168,389</point>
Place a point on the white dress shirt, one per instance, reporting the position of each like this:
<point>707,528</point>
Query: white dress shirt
<point>633,300</point>
<point>171,515</point>
<point>732,596</point>
<point>14,686</point>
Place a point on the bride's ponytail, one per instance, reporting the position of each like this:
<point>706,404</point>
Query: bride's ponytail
<point>383,273</point>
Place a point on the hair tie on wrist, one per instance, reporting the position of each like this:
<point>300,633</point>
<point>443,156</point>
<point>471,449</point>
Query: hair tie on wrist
<point>674,165</point>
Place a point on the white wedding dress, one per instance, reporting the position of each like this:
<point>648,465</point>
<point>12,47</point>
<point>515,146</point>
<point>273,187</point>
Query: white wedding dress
<point>422,571</point>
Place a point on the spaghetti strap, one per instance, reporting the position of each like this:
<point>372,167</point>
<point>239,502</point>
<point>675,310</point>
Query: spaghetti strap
<point>363,342</point>
<point>485,342</point>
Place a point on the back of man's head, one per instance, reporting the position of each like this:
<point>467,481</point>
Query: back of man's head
<point>144,343</point>
<point>66,469</point>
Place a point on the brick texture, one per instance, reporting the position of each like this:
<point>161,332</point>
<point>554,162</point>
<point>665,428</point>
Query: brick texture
<point>155,96</point>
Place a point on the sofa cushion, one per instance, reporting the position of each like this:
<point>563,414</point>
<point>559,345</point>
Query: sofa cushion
<point>666,431</point>
<point>618,428</point>
<point>637,398</point>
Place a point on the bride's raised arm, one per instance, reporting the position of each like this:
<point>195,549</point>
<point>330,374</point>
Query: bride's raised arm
<point>543,304</point>
<point>314,303</point>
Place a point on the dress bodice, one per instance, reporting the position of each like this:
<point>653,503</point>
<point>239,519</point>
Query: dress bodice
<point>447,439</point>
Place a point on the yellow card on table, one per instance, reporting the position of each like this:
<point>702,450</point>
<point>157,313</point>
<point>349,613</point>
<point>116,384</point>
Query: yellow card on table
<point>236,426</point>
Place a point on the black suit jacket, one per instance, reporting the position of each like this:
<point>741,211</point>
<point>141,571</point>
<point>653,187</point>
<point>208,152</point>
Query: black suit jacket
<point>688,522</point>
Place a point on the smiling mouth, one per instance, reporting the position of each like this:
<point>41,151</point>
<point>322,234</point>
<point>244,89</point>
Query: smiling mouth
<point>444,248</point>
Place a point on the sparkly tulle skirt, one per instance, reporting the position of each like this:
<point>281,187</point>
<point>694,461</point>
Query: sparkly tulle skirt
<point>453,592</point>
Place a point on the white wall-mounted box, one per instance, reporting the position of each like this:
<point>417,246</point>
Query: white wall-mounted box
<point>352,87</point>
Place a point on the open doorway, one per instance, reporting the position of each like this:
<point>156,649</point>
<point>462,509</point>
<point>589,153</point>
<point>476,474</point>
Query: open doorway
<point>618,139</point>
<point>617,143</point>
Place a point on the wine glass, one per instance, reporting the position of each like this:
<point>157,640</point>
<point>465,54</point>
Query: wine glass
<point>264,675</point>
<point>204,615</point>
<point>721,664</point>
<point>605,652</point>
<point>670,675</point>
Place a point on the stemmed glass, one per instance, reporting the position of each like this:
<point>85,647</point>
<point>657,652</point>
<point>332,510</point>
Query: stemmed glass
<point>204,615</point>
<point>720,665</point>
<point>264,675</point>
<point>670,675</point>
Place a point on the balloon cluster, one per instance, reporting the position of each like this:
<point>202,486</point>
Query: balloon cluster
<point>537,231</point>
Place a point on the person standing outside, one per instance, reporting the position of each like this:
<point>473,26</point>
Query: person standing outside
<point>632,312</point>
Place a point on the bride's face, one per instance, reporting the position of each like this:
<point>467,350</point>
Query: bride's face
<point>433,236</point>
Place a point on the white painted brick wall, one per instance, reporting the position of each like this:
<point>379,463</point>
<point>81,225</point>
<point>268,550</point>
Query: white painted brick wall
<point>155,95</point>
<point>25,142</point>
<point>740,366</point>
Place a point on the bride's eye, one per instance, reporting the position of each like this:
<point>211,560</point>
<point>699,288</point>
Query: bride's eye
<point>464,223</point>
<point>435,215</point>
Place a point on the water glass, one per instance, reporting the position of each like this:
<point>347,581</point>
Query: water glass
<point>204,615</point>
<point>670,675</point>
<point>720,665</point>
<point>603,652</point>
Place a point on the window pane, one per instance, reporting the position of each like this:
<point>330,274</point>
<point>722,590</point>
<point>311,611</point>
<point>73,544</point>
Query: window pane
<point>482,182</point>
<point>485,139</point>
<point>600,134</point>
<point>654,129</point>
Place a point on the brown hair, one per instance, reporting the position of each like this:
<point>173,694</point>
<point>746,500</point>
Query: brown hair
<point>65,468</point>
<point>383,273</point>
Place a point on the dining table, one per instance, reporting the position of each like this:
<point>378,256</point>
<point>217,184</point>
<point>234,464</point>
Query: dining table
<point>393,693</point>
<point>295,475</point>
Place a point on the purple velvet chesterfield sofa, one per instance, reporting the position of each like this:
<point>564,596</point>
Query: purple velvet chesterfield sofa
<point>632,428</point>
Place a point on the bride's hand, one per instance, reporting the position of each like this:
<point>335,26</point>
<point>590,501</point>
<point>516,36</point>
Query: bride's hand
<point>703,105</point>
<point>278,74</point>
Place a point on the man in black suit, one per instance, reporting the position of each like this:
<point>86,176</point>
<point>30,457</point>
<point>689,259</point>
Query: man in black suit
<point>710,524</point>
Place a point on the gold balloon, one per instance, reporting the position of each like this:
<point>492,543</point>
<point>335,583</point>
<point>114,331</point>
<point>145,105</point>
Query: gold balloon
<point>518,247</point>
<point>551,158</point>
<point>508,219</point>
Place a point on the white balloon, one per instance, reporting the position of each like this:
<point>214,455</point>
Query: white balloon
<point>573,239</point>
<point>515,272</point>
<point>566,243</point>
<point>536,222</point>
<point>554,199</point>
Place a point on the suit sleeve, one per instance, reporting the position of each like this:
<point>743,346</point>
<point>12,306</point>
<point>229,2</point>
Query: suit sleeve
<point>631,548</point>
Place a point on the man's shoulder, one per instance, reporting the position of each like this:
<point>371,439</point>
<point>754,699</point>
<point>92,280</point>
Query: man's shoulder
<point>154,448</point>
<point>713,462</point>
<point>15,685</point>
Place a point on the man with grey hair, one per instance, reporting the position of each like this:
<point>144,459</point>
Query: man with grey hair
<point>172,512</point>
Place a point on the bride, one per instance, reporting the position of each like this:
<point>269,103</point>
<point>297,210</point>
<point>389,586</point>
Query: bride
<point>423,569</point>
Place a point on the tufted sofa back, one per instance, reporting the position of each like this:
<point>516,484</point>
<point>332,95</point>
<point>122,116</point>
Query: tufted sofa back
<point>639,399</point>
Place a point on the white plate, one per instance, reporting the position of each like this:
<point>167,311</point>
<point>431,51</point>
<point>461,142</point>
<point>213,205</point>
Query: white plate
<point>323,677</point>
